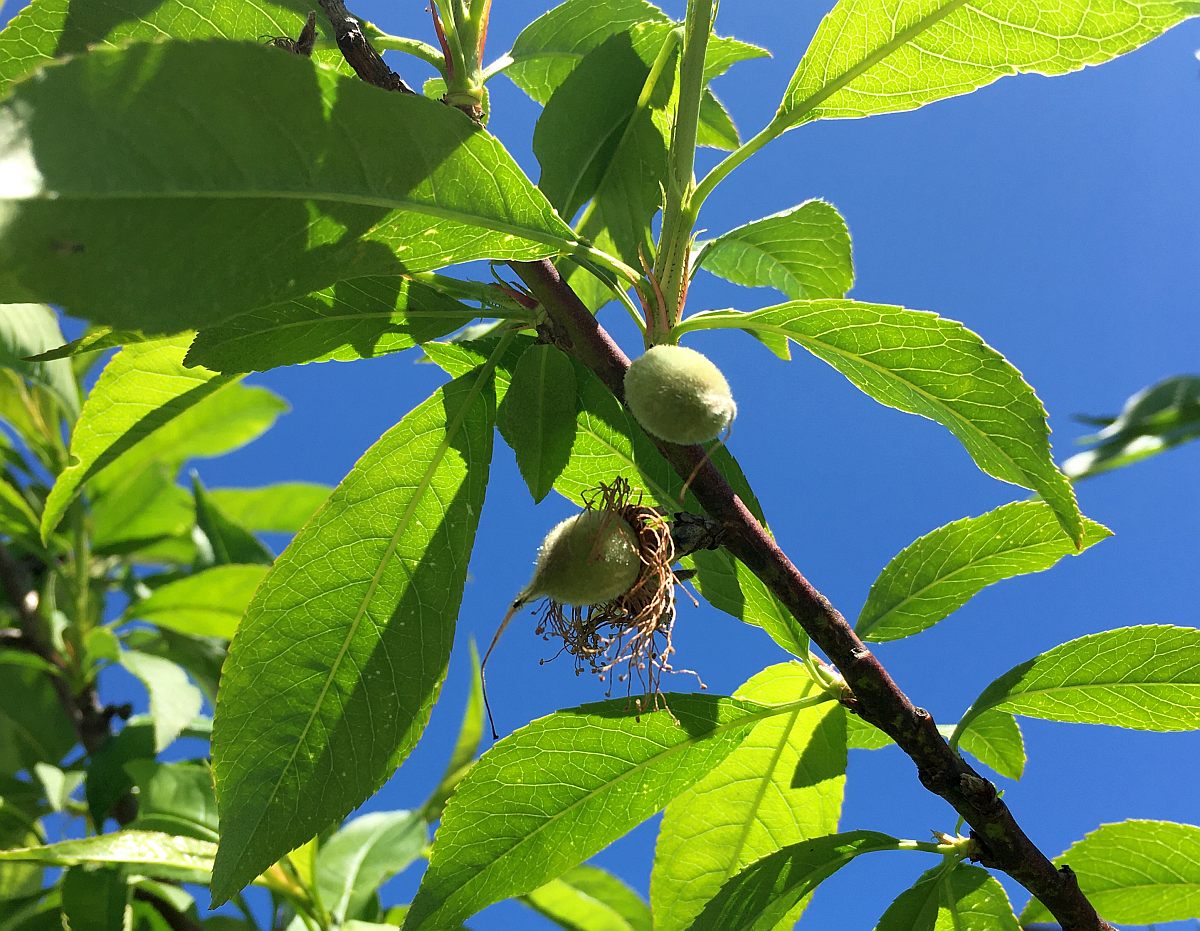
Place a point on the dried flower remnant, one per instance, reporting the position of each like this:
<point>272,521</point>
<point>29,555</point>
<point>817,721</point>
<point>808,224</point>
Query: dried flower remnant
<point>624,634</point>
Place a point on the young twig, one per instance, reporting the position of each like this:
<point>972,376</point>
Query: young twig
<point>367,63</point>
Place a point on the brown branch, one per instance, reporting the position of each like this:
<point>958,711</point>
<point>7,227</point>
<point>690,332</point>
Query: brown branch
<point>367,63</point>
<point>89,717</point>
<point>1003,845</point>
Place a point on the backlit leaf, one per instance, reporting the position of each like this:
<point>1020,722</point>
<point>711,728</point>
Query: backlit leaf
<point>357,319</point>
<point>880,56</point>
<point>994,738</point>
<point>365,853</point>
<point>1145,678</point>
<point>340,656</point>
<point>174,701</point>
<point>205,604</point>
<point>762,895</point>
<point>95,900</point>
<point>1135,871</point>
<point>923,364</point>
<point>553,793</point>
<point>803,252</point>
<point>306,171</point>
<point>936,575</point>
<point>783,785</point>
<point>537,417</point>
<point>29,329</point>
<point>282,508</point>
<point>587,898</point>
<point>951,900</point>
<point>153,853</point>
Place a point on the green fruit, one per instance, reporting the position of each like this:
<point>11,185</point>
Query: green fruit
<point>587,559</point>
<point>678,395</point>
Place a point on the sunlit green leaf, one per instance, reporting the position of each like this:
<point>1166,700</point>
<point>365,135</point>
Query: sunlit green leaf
<point>879,56</point>
<point>282,508</point>
<point>587,898</point>
<point>951,899</point>
<point>1154,420</point>
<point>994,738</point>
<point>935,576</point>
<point>206,604</point>
<point>305,170</point>
<point>174,701</point>
<point>924,364</point>
<point>49,28</point>
<point>357,319</point>
<point>783,785</point>
<point>762,895</point>
<point>225,541</point>
<point>140,391</point>
<point>1135,871</point>
<point>26,330</point>
<point>1146,678</point>
<point>803,252</point>
<point>139,509</point>
<point>551,794</point>
<point>175,798</point>
<point>537,417</point>
<point>340,656</point>
<point>153,853</point>
<point>363,854</point>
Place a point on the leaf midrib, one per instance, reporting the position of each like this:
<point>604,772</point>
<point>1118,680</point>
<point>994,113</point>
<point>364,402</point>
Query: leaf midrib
<point>864,630</point>
<point>797,114</point>
<point>419,492</point>
<point>718,731</point>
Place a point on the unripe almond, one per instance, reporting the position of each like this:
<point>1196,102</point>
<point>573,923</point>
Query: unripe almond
<point>678,395</point>
<point>587,559</point>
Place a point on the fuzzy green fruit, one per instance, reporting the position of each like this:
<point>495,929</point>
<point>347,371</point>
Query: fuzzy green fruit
<point>678,395</point>
<point>587,559</point>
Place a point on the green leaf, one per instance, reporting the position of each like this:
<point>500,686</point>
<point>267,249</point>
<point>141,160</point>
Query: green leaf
<point>282,508</point>
<point>140,508</point>
<point>935,576</point>
<point>95,900</point>
<point>1135,871</point>
<point>762,895</point>
<point>550,48</point>
<point>803,252</point>
<point>17,519</point>
<point>1146,678</point>
<point>728,585</point>
<point>470,736</point>
<point>19,810</point>
<point>200,656</point>
<point>141,390</point>
<point>587,898</point>
<point>33,726</point>
<point>1154,420</point>
<point>45,29</point>
<point>537,417</point>
<point>994,738</point>
<point>174,701</point>
<point>950,900</point>
<point>154,854</point>
<point>918,362</point>
<point>306,171</point>
<point>206,604</point>
<point>357,319</point>
<point>26,330</point>
<point>364,854</point>
<point>353,625</point>
<point>175,798</point>
<point>880,56</point>
<point>227,542</point>
<point>783,785</point>
<point>553,793</point>
<point>863,736</point>
<point>95,340</point>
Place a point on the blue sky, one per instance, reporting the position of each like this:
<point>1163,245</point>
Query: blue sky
<point>1060,219</point>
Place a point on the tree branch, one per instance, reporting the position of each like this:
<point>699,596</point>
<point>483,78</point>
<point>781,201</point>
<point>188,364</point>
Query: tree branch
<point>877,698</point>
<point>1003,845</point>
<point>367,63</point>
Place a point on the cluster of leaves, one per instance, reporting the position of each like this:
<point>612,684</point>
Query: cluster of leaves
<point>331,210</point>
